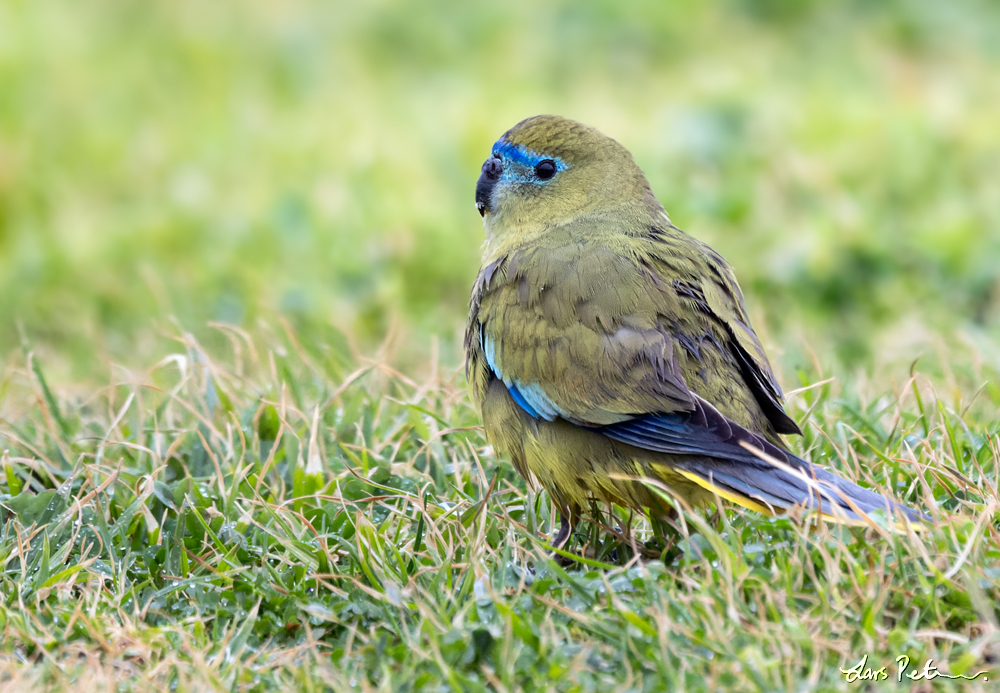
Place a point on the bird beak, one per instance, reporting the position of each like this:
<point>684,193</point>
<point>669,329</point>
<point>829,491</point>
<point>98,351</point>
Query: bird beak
<point>492,170</point>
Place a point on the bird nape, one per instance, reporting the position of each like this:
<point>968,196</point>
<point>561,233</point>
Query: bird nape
<point>610,353</point>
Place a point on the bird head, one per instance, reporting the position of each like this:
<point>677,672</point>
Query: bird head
<point>547,171</point>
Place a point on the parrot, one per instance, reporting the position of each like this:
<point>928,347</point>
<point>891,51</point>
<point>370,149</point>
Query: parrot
<point>610,354</point>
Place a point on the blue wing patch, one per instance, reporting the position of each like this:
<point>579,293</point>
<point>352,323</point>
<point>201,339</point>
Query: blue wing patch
<point>529,396</point>
<point>539,404</point>
<point>522,402</point>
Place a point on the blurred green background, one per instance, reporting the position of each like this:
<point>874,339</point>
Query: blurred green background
<point>167,163</point>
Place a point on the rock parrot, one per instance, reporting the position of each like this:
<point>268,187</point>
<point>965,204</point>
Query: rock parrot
<point>607,349</point>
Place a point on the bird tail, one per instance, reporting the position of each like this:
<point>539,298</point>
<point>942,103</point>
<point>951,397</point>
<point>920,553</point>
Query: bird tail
<point>709,450</point>
<point>773,486</point>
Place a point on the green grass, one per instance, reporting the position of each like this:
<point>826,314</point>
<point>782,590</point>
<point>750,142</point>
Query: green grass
<point>236,245</point>
<point>268,514</point>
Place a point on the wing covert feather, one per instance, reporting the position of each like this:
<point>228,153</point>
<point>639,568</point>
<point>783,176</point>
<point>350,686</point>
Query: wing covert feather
<point>580,330</point>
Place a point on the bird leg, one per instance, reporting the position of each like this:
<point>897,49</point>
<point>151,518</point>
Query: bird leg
<point>666,534</point>
<point>566,527</point>
<point>565,530</point>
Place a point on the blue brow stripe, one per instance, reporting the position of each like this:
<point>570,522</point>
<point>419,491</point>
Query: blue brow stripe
<point>520,154</point>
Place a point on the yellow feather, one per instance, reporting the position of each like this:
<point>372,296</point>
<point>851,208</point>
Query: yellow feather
<point>728,495</point>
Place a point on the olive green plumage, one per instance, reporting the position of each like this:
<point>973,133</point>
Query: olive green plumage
<point>605,347</point>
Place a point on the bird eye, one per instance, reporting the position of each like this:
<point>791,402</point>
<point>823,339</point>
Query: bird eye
<point>545,169</point>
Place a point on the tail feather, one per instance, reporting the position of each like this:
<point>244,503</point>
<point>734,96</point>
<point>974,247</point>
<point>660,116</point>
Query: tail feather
<point>716,453</point>
<point>799,483</point>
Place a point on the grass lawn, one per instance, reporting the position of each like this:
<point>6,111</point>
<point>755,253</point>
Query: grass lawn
<point>266,515</point>
<point>236,245</point>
